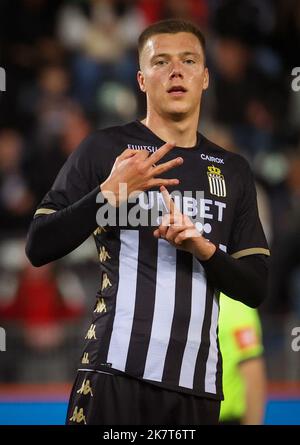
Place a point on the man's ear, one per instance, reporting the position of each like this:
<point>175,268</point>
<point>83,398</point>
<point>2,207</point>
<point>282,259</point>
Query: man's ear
<point>141,81</point>
<point>206,79</point>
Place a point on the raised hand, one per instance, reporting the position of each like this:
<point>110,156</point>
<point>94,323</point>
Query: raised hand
<point>138,170</point>
<point>180,231</point>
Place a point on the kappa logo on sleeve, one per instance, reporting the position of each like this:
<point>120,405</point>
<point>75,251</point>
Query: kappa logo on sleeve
<point>246,337</point>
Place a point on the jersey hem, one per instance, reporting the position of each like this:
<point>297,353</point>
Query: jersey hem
<point>163,385</point>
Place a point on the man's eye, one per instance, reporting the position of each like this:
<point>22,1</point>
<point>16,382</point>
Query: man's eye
<point>189,61</point>
<point>160,62</point>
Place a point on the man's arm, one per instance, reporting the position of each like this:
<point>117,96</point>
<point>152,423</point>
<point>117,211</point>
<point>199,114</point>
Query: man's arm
<point>55,235</point>
<point>52,236</point>
<point>254,377</point>
<point>244,279</point>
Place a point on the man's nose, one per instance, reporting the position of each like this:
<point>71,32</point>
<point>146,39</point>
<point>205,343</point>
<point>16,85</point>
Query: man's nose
<point>176,71</point>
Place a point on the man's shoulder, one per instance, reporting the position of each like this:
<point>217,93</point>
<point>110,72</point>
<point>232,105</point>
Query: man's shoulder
<point>116,131</point>
<point>107,139</point>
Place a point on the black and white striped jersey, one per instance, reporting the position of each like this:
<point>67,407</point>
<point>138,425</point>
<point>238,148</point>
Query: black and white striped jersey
<point>156,316</point>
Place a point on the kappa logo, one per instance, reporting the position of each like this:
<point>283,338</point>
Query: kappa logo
<point>78,415</point>
<point>216,181</point>
<point>105,282</point>
<point>85,388</point>
<point>91,333</point>
<point>100,306</point>
<point>85,358</point>
<point>103,254</point>
<point>99,230</point>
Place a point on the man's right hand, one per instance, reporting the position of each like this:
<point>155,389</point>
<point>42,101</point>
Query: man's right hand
<point>138,170</point>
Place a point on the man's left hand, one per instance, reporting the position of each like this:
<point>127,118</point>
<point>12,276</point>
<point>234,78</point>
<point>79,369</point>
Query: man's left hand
<point>180,231</point>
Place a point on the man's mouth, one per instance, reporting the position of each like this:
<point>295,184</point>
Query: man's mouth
<point>177,90</point>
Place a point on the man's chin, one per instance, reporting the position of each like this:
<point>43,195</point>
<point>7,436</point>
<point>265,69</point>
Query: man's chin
<point>178,114</point>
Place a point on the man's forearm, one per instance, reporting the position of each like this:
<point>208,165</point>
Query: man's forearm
<point>53,236</point>
<point>242,279</point>
<point>254,376</point>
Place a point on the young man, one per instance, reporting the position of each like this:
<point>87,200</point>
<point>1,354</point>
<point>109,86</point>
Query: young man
<point>152,354</point>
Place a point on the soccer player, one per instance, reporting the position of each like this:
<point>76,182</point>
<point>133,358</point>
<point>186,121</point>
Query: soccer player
<point>151,354</point>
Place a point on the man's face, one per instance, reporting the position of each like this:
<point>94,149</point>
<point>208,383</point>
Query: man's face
<point>172,74</point>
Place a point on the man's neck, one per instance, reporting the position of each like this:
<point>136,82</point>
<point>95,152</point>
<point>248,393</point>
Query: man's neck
<point>183,132</point>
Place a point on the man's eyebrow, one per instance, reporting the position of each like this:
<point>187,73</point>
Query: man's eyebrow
<point>189,53</point>
<point>184,53</point>
<point>160,55</point>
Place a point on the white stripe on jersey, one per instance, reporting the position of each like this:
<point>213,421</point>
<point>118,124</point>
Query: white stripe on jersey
<point>125,300</point>
<point>212,361</point>
<point>195,327</point>
<point>163,311</point>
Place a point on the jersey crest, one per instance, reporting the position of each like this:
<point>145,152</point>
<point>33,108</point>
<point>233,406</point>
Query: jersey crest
<point>216,181</point>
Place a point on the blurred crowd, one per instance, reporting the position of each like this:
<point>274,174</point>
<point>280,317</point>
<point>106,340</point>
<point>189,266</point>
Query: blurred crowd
<point>70,68</point>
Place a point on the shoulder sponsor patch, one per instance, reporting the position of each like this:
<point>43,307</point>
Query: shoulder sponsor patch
<point>246,337</point>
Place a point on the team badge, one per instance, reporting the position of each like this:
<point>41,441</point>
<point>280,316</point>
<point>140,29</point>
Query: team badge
<point>216,181</point>
<point>246,337</point>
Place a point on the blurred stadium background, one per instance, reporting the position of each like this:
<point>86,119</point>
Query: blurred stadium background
<point>70,68</point>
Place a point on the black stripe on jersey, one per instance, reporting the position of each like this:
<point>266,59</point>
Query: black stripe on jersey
<point>113,239</point>
<point>202,357</point>
<point>219,386</point>
<point>181,319</point>
<point>145,300</point>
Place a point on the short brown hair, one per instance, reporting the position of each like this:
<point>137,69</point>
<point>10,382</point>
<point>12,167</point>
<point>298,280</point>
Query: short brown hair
<point>170,26</point>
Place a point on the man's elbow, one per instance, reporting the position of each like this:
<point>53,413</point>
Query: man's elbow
<point>254,302</point>
<point>34,255</point>
<point>258,284</point>
<point>33,249</point>
<point>256,296</point>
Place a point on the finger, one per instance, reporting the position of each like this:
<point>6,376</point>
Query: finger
<point>178,221</point>
<point>156,233</point>
<point>162,168</point>
<point>143,154</point>
<point>160,232</point>
<point>127,153</point>
<point>168,200</point>
<point>157,182</point>
<point>182,236</point>
<point>162,151</point>
<point>173,231</point>
<point>167,220</point>
<point>186,234</point>
<point>168,229</point>
<point>171,205</point>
